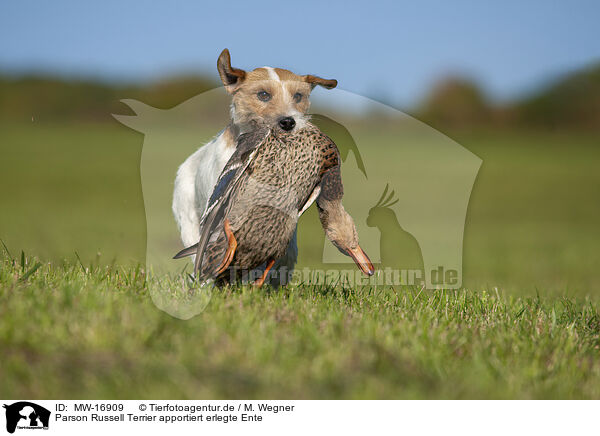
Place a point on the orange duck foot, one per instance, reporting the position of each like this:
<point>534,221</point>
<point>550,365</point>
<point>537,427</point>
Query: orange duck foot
<point>259,282</point>
<point>232,245</point>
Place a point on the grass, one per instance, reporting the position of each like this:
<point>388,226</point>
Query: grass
<point>76,319</point>
<point>68,331</point>
<point>531,225</point>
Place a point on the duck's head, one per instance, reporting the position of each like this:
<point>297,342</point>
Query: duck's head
<point>341,231</point>
<point>274,97</point>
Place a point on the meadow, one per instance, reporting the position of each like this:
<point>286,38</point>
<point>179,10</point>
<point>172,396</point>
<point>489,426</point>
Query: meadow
<point>76,320</point>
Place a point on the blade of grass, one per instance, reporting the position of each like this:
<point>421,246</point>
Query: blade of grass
<point>80,262</point>
<point>30,272</point>
<point>7,251</point>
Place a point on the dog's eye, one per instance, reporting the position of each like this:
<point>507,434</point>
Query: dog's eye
<point>264,96</point>
<point>298,97</point>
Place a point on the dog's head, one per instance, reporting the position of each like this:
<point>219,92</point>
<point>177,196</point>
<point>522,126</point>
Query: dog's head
<point>272,96</point>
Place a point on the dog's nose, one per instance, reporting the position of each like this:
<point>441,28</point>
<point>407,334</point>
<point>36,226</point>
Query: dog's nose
<point>287,123</point>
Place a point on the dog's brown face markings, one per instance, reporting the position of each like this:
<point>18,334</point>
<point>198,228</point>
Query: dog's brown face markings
<point>268,95</point>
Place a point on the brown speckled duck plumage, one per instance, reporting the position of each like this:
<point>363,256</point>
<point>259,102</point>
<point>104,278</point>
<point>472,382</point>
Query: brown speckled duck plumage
<point>272,177</point>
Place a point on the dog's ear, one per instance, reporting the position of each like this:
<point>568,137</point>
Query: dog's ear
<point>315,80</point>
<point>231,77</point>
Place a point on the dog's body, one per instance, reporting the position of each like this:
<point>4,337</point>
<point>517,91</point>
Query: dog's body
<point>194,183</point>
<point>266,95</point>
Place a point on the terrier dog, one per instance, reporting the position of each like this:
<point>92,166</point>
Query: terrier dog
<point>268,96</point>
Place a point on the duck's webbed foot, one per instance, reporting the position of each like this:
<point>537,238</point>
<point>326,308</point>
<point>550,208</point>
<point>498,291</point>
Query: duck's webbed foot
<point>259,282</point>
<point>231,247</point>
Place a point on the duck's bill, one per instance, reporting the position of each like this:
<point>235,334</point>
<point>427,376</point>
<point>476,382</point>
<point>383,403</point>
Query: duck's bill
<point>362,260</point>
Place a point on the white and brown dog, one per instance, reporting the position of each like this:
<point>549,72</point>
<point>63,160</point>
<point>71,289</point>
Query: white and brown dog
<point>266,95</point>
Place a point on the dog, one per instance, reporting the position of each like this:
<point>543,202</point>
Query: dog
<point>274,97</point>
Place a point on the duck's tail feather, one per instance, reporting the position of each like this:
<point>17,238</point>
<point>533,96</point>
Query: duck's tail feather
<point>186,252</point>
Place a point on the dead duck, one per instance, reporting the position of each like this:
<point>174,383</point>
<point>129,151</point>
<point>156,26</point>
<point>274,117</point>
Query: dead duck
<point>269,181</point>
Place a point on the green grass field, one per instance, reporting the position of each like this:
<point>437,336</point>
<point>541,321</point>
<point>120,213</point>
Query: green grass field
<point>68,333</point>
<point>82,325</point>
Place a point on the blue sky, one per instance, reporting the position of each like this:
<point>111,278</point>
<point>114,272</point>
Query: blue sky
<point>390,50</point>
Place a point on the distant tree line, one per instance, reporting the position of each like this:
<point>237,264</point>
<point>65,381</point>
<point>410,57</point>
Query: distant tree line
<point>54,99</point>
<point>570,102</point>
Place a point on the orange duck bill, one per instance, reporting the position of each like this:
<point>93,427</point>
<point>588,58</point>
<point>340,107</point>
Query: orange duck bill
<point>362,260</point>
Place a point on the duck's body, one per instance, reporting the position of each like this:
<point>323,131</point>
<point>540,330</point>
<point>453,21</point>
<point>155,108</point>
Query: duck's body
<point>269,181</point>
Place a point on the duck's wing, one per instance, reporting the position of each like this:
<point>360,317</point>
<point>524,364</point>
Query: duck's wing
<point>311,199</point>
<point>212,219</point>
<point>246,147</point>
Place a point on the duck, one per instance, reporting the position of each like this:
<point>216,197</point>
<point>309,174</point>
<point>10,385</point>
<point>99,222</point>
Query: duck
<point>271,179</point>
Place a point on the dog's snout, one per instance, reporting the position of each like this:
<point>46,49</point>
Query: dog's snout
<point>287,123</point>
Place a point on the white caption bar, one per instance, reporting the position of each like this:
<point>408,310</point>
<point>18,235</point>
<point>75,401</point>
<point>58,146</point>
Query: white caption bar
<point>21,417</point>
